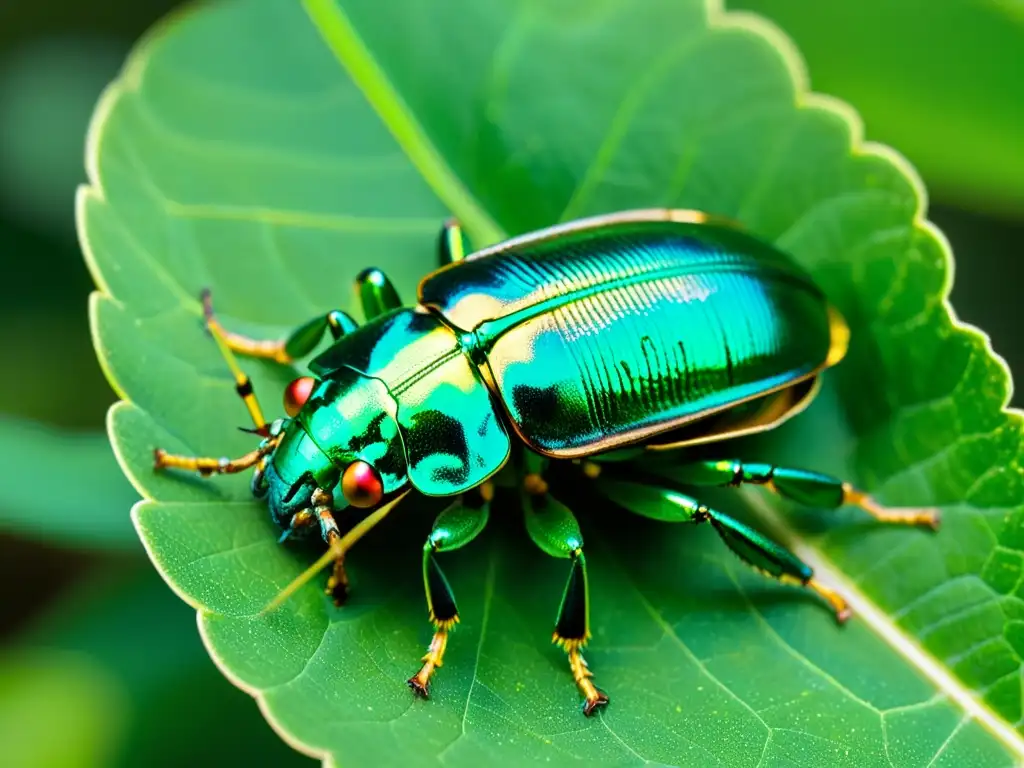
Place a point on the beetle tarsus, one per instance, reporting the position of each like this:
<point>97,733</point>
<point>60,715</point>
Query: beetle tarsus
<point>837,602</point>
<point>594,698</point>
<point>337,585</point>
<point>418,688</point>
<point>432,659</point>
<point>535,484</point>
<point>925,516</point>
<point>451,243</point>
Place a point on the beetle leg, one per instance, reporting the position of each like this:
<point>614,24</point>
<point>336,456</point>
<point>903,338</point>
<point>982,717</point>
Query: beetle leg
<point>338,547</point>
<point>337,583</point>
<point>900,515</point>
<point>300,521</point>
<point>455,527</point>
<point>774,560</point>
<point>754,548</point>
<point>298,343</point>
<point>376,293</point>
<point>207,466</point>
<point>554,529</point>
<point>451,244</point>
<point>808,488</point>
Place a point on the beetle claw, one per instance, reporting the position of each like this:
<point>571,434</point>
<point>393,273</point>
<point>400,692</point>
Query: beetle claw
<point>420,689</point>
<point>337,592</point>
<point>337,584</point>
<point>598,701</point>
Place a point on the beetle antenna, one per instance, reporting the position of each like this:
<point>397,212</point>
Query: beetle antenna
<point>261,431</point>
<point>336,551</point>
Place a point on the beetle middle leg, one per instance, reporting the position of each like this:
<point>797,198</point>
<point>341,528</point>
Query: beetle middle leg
<point>451,244</point>
<point>298,343</point>
<point>808,488</point>
<point>751,546</point>
<point>454,528</point>
<point>554,529</point>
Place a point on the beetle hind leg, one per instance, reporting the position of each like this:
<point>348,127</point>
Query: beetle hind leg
<point>811,489</point>
<point>774,560</point>
<point>751,546</point>
<point>899,515</point>
<point>554,529</point>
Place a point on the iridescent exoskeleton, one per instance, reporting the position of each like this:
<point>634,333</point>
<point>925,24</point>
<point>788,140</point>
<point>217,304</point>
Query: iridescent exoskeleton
<point>590,345</point>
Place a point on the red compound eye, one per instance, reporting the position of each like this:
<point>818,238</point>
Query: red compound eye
<point>361,485</point>
<point>297,393</point>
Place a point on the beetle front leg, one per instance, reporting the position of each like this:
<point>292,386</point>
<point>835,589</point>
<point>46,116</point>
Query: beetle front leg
<point>337,582</point>
<point>454,528</point>
<point>751,546</point>
<point>338,547</point>
<point>811,489</point>
<point>554,529</point>
<point>206,466</point>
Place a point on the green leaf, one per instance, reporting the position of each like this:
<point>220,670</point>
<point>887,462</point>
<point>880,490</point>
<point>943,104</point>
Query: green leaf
<point>71,476</point>
<point>939,81</point>
<point>248,149</point>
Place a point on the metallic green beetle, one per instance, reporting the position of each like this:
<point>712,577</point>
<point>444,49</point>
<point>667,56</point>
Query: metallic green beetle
<point>587,345</point>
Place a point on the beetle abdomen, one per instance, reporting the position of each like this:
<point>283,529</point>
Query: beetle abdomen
<point>620,331</point>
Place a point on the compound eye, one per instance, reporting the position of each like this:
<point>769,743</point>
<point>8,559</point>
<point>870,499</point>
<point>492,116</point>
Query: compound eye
<point>297,393</point>
<point>361,485</point>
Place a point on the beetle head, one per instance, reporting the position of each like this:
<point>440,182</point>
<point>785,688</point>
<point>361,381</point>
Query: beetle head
<point>350,417</point>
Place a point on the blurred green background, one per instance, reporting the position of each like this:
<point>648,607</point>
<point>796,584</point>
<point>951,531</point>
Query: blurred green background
<point>97,642</point>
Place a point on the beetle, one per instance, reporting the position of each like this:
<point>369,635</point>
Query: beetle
<point>594,344</point>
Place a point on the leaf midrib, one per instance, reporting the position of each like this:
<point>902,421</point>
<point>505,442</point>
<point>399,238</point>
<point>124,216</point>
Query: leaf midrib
<point>344,42</point>
<point>348,48</point>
